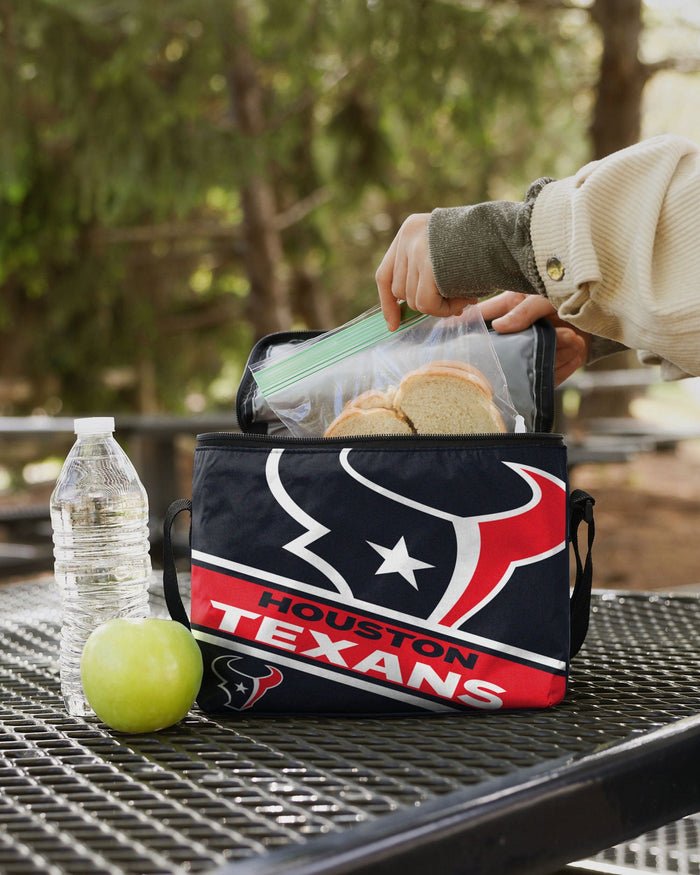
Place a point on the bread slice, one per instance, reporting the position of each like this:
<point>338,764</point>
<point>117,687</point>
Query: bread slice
<point>374,398</point>
<point>460,368</point>
<point>441,397</point>
<point>355,421</point>
<point>447,401</point>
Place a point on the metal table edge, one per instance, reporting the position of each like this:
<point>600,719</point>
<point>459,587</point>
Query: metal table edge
<point>595,800</point>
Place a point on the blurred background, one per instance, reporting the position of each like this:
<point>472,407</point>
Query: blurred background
<point>180,177</point>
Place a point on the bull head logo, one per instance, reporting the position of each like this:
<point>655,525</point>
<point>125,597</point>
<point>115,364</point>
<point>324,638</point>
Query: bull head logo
<point>489,547</point>
<point>240,689</point>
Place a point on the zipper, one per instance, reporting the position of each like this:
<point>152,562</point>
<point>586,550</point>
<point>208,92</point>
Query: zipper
<point>227,438</point>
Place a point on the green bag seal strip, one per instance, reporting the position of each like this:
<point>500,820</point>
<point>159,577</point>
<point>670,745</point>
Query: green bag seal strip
<point>329,349</point>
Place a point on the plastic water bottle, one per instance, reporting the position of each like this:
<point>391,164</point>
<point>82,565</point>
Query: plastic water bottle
<point>99,515</point>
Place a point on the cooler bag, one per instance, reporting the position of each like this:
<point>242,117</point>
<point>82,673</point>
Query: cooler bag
<point>386,575</point>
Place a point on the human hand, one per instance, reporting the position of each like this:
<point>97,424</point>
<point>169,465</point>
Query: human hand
<point>513,311</point>
<point>406,274</point>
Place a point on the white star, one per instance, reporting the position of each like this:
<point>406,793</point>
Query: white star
<point>397,561</point>
<point>241,688</point>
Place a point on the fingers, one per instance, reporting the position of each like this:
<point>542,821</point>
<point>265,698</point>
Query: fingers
<point>449,306</point>
<point>406,274</point>
<point>499,305</point>
<point>571,353</point>
<point>513,311</point>
<point>384,278</point>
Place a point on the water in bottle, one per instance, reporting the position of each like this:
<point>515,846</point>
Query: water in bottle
<point>99,515</point>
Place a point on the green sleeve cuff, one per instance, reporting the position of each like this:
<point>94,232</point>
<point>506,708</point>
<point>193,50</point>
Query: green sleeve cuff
<point>602,347</point>
<point>485,248</point>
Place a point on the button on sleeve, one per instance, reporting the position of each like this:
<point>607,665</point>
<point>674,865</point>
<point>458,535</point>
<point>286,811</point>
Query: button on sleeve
<point>555,269</point>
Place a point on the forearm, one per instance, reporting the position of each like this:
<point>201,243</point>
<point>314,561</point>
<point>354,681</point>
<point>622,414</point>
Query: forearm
<point>481,249</point>
<point>626,230</point>
<point>615,248</point>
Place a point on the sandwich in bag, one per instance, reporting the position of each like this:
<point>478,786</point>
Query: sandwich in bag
<point>444,397</point>
<point>431,376</point>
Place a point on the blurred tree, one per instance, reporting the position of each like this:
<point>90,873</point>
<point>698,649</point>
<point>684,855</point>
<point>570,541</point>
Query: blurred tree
<point>621,72</point>
<point>178,178</point>
<point>617,115</point>
<point>623,75</point>
<point>617,122</point>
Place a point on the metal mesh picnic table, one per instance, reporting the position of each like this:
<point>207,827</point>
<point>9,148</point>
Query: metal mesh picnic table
<point>322,794</point>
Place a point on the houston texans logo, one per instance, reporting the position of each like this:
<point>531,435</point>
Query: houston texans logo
<point>242,690</point>
<point>484,549</point>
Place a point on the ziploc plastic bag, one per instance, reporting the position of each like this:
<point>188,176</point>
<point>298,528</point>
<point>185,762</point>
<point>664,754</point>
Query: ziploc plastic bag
<point>308,386</point>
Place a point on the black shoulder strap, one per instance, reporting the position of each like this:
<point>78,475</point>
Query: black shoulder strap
<point>173,600</point>
<point>581,510</point>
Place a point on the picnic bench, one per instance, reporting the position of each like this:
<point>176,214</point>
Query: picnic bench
<point>601,440</point>
<point>488,792</point>
<point>151,442</point>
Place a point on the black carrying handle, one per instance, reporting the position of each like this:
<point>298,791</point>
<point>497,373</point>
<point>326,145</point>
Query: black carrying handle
<point>173,599</point>
<point>581,511</point>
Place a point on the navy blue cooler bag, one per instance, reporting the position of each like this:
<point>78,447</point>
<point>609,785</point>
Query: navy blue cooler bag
<point>386,575</point>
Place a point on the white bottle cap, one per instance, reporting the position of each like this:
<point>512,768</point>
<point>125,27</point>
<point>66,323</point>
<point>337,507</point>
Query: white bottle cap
<point>94,425</point>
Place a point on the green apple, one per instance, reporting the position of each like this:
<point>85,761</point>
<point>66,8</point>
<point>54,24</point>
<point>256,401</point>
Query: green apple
<point>141,675</point>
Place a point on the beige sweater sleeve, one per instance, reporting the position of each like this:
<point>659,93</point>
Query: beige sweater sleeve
<point>618,248</point>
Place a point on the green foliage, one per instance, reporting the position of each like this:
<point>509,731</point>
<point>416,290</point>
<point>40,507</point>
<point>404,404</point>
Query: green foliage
<point>122,156</point>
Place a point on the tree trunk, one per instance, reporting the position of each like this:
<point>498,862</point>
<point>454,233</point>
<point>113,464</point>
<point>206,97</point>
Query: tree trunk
<point>269,308</point>
<point>310,306</point>
<point>616,123</point>
<point>617,113</point>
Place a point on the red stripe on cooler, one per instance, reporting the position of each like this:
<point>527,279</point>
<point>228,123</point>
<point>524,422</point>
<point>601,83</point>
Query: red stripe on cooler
<point>347,640</point>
